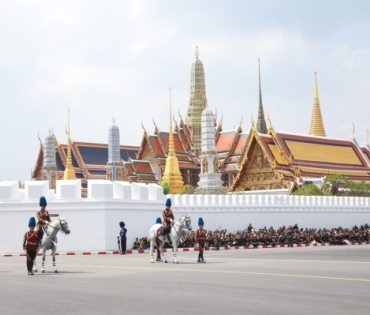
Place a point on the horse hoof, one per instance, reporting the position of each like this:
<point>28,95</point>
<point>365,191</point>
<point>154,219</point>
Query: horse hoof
<point>152,261</point>
<point>42,271</point>
<point>175,262</point>
<point>34,270</point>
<point>55,271</point>
<point>165,261</point>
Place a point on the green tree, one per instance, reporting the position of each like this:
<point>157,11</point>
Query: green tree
<point>166,187</point>
<point>336,185</point>
<point>358,189</point>
<point>188,190</point>
<point>309,190</point>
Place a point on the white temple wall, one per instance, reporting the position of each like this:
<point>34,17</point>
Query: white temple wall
<point>94,220</point>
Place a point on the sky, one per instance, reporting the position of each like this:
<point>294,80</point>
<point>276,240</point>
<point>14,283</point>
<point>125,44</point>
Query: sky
<point>105,59</point>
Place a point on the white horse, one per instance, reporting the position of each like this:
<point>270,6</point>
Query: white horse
<point>49,241</point>
<point>176,229</point>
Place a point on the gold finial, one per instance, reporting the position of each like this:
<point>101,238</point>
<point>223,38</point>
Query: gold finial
<point>252,120</point>
<point>269,120</point>
<point>114,121</point>
<point>69,172</point>
<point>49,131</point>
<point>196,52</point>
<point>317,125</point>
<point>367,136</point>
<point>38,136</point>
<point>353,130</point>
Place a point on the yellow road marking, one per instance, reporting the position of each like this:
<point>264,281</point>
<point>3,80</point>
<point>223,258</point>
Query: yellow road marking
<point>216,271</point>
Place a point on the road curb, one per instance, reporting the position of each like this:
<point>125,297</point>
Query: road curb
<point>190,249</point>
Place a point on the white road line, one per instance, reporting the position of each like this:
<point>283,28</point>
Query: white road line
<point>281,260</point>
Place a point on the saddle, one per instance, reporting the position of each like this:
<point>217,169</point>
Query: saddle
<point>160,231</point>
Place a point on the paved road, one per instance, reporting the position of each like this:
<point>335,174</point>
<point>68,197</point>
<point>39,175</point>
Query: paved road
<point>328,280</point>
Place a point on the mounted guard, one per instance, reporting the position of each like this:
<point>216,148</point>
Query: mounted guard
<point>43,218</point>
<point>175,232</point>
<point>168,218</point>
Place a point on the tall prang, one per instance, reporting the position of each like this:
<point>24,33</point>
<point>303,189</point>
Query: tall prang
<point>49,169</point>
<point>197,104</point>
<point>317,125</point>
<point>261,122</point>
<point>210,178</point>
<point>69,172</point>
<point>115,165</point>
<point>172,174</point>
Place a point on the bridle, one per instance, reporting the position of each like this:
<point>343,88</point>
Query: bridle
<point>185,226</point>
<point>61,228</point>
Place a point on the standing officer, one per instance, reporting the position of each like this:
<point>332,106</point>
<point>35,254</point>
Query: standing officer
<point>123,238</point>
<point>200,237</point>
<point>31,244</point>
<point>158,221</point>
<point>42,217</point>
<point>168,217</point>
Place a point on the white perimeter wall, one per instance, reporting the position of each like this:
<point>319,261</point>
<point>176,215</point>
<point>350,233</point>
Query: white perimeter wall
<point>94,220</point>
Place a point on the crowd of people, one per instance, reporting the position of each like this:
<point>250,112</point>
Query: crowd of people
<point>273,237</point>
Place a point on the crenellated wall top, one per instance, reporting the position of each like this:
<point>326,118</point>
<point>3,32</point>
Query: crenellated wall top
<point>102,190</point>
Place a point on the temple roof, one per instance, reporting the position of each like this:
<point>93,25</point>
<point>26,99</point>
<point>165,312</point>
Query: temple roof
<point>140,171</point>
<point>89,162</point>
<point>324,153</point>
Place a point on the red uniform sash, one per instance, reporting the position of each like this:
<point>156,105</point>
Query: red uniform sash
<point>32,240</point>
<point>201,236</point>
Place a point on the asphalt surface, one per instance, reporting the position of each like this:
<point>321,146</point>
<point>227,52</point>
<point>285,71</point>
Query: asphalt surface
<point>320,280</point>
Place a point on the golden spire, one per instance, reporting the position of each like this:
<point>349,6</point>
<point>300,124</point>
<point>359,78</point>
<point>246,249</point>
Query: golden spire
<point>317,125</point>
<point>69,172</point>
<point>172,174</point>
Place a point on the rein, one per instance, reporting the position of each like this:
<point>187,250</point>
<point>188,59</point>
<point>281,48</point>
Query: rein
<point>55,228</point>
<point>174,223</point>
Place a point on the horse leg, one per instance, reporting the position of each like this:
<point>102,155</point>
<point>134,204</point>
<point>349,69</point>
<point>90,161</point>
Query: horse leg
<point>53,253</point>
<point>34,269</point>
<point>158,251</point>
<point>174,258</point>
<point>151,251</point>
<point>43,260</point>
<point>161,249</point>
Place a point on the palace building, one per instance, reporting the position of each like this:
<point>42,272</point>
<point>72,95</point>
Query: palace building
<point>260,159</point>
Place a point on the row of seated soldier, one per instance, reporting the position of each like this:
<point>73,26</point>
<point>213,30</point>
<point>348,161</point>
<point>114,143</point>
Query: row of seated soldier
<point>291,235</point>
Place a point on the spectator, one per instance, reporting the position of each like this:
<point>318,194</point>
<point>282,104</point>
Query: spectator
<point>291,235</point>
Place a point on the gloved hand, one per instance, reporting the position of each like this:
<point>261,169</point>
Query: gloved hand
<point>46,222</point>
<point>171,220</point>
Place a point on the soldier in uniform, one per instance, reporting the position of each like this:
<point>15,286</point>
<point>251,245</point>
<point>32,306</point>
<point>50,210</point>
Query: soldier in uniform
<point>200,238</point>
<point>168,217</point>
<point>31,244</point>
<point>42,217</point>
<point>123,239</point>
<point>158,221</point>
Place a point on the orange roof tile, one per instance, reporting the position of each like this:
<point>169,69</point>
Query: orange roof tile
<point>224,140</point>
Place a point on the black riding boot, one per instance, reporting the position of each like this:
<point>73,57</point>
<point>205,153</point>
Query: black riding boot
<point>158,255</point>
<point>199,255</point>
<point>40,234</point>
